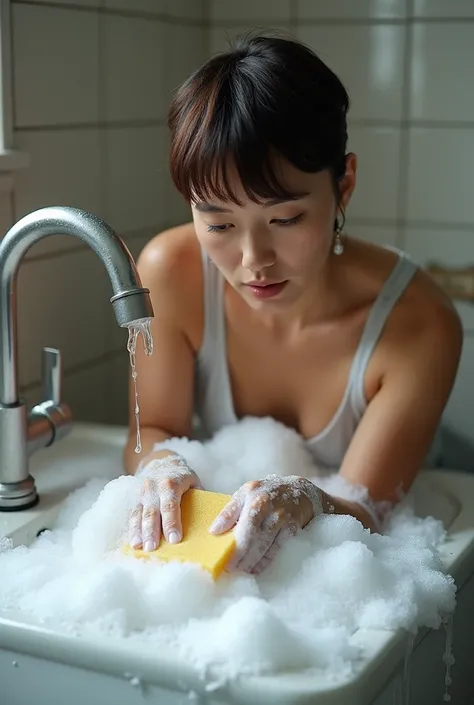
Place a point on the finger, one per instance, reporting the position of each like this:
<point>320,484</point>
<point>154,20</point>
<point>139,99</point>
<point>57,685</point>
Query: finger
<point>281,538</point>
<point>255,510</point>
<point>260,542</point>
<point>227,518</point>
<point>150,527</point>
<point>170,508</point>
<point>253,534</point>
<point>135,527</point>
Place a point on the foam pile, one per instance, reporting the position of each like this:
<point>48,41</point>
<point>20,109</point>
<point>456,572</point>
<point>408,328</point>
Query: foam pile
<point>301,613</point>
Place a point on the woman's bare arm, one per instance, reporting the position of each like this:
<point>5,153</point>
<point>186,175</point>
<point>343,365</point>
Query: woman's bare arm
<point>396,431</point>
<point>167,266</point>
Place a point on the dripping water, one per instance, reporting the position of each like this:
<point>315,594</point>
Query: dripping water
<point>401,693</point>
<point>448,657</point>
<point>406,669</point>
<point>134,329</point>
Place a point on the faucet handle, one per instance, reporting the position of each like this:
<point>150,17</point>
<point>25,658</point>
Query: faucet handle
<point>51,375</point>
<point>50,420</point>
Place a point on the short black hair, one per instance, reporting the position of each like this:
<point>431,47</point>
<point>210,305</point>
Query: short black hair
<point>266,96</point>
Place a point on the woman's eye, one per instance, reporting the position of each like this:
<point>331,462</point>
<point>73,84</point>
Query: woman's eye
<point>288,221</point>
<point>218,228</point>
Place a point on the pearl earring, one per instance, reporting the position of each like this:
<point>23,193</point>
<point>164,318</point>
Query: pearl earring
<point>338,248</point>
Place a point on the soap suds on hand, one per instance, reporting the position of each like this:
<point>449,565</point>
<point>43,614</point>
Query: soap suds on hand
<point>327,582</point>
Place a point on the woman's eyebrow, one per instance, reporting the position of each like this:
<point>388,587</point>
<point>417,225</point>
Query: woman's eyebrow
<point>204,207</point>
<point>209,208</point>
<point>277,201</point>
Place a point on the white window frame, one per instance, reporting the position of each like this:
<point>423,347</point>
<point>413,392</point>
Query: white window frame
<point>10,158</point>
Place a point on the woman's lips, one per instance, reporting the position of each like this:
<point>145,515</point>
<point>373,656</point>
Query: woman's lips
<point>266,291</point>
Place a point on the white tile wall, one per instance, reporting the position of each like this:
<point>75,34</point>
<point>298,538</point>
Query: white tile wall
<point>65,170</point>
<point>61,303</point>
<point>184,9</point>
<point>378,152</point>
<point>220,37</point>
<point>191,9</point>
<point>6,213</point>
<point>459,409</point>
<point>440,171</point>
<point>447,248</point>
<point>134,68</point>
<point>441,55</point>
<point>90,95</point>
<point>117,389</point>
<point>349,9</point>
<point>414,174</point>
<point>136,166</point>
<point>375,81</point>
<point>83,3</point>
<point>76,66</point>
<point>180,64</point>
<point>156,7</point>
<point>86,390</point>
<point>55,65</point>
<point>443,8</point>
<point>378,234</point>
<point>249,10</point>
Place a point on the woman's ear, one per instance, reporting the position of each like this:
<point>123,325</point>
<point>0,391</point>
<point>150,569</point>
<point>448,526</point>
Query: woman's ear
<point>348,181</point>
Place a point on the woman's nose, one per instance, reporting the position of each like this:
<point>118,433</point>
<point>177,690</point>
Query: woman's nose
<point>257,253</point>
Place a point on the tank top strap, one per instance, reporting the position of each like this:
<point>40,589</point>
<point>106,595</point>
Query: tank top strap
<point>390,293</point>
<point>213,301</point>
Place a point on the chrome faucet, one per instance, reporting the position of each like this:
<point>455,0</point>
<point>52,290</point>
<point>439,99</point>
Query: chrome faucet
<point>23,432</point>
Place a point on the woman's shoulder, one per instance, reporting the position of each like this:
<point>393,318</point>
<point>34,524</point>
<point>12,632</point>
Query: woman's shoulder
<point>170,265</point>
<point>424,315</point>
<point>176,247</point>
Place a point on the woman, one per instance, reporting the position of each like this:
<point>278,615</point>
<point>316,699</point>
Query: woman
<point>264,307</point>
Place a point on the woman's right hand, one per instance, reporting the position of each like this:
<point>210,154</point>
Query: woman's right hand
<point>163,483</point>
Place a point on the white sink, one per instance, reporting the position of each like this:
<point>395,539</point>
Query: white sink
<point>43,666</point>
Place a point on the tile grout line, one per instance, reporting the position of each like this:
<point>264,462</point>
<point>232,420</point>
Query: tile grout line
<point>115,12</point>
<point>100,124</point>
<point>190,21</point>
<point>103,162</point>
<point>338,21</point>
<point>293,17</point>
<point>404,158</point>
<point>412,224</point>
<point>161,122</point>
<point>79,367</point>
<point>14,203</point>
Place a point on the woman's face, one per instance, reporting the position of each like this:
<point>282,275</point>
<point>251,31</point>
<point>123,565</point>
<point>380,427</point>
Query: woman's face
<point>272,252</point>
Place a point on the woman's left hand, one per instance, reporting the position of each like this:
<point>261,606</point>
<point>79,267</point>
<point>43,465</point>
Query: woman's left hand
<point>267,512</point>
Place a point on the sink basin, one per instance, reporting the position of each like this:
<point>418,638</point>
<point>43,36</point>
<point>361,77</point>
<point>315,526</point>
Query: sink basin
<point>90,451</point>
<point>40,665</point>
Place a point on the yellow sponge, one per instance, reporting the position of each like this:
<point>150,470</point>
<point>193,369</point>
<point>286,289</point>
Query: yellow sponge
<point>198,511</point>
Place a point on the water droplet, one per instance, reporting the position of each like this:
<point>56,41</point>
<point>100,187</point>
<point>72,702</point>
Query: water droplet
<point>406,669</point>
<point>448,657</point>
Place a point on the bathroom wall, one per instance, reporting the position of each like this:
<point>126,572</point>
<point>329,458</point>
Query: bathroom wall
<point>91,85</point>
<point>92,80</point>
<point>408,67</point>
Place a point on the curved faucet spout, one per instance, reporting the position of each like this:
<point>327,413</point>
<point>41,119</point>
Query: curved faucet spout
<point>130,300</point>
<point>22,433</point>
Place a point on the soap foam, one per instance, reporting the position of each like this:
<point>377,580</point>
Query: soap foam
<point>327,582</point>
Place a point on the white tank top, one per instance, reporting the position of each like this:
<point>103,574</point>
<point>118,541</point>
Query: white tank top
<point>213,394</point>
